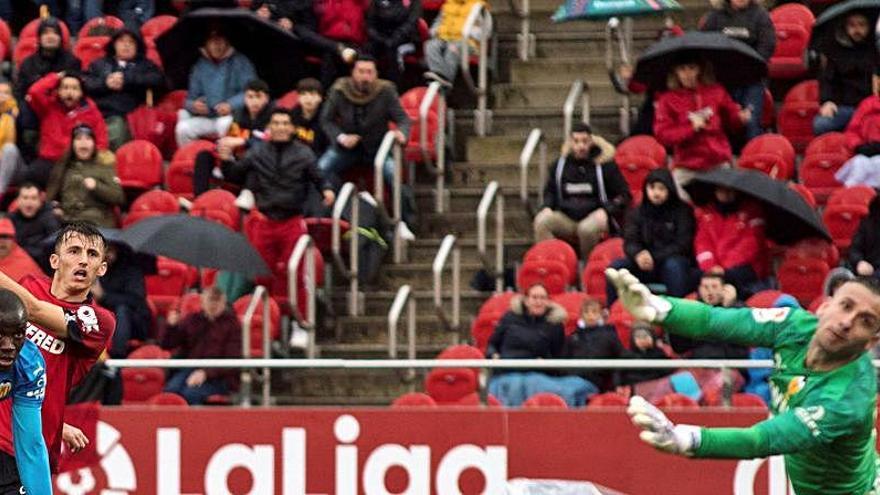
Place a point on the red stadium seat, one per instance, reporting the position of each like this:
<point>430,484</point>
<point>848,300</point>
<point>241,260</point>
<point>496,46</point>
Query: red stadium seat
<point>140,384</point>
<point>771,154</point>
<point>552,274</point>
<point>154,27</point>
<point>150,351</point>
<point>240,306</point>
<point>635,157</point>
<point>572,302</point>
<point>545,400</point>
<point>815,303</point>
<point>432,5</point>
<point>450,385</point>
<point>189,303</point>
<point>107,22</point>
<point>217,205</point>
<point>815,248</point>
<point>793,24</point>
<point>842,221</point>
<point>795,119</point>
<point>179,177</point>
<point>321,231</point>
<point>90,48</point>
<point>414,399</point>
<point>462,351</point>
<point>411,101</point>
<point>289,100</point>
<point>29,31</point>
<point>677,400</point>
<point>165,288</point>
<point>763,299</point>
<point>622,321</point>
<point>555,249</point>
<point>173,101</point>
<point>24,48</point>
<point>150,204</point>
<point>822,159</point>
<point>747,400</point>
<point>167,399</point>
<point>608,399</point>
<point>803,278</point>
<point>593,277</point>
<point>768,111</point>
<point>5,38</point>
<point>498,303</point>
<point>139,165</point>
<point>490,312</point>
<point>804,193</point>
<point>853,195</point>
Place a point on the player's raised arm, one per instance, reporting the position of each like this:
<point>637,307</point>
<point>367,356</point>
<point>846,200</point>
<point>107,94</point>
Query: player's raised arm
<point>42,313</point>
<point>744,326</point>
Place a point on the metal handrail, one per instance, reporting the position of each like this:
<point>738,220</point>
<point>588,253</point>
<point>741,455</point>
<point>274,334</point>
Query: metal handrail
<point>491,195</point>
<point>434,93</point>
<point>480,88</point>
<point>613,33</point>
<point>579,91</point>
<point>260,295</point>
<point>390,145</point>
<point>305,246</point>
<point>533,142</point>
<point>403,299</point>
<point>348,193</point>
<point>447,246</point>
<point>525,40</point>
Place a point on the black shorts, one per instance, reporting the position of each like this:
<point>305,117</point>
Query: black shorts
<point>10,483</point>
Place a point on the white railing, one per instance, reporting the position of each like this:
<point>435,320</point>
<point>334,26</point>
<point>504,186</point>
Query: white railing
<point>390,145</point>
<point>525,39</point>
<point>446,247</point>
<point>403,300</point>
<point>478,25</point>
<point>433,93</point>
<point>348,193</point>
<point>305,247</point>
<point>260,296</point>
<point>580,91</point>
<point>535,141</point>
<point>492,194</point>
<point>614,33</point>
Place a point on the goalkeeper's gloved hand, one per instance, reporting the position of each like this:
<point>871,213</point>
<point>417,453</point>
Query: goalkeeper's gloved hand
<point>661,433</point>
<point>636,298</point>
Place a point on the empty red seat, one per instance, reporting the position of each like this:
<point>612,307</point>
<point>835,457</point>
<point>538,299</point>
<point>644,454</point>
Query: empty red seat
<point>608,399</point>
<point>173,101</point>
<point>763,299</point>
<point>771,154</point>
<point>154,27</point>
<point>804,193</point>
<point>139,165</point>
<point>555,249</point>
<point>545,400</point>
<point>168,284</point>
<point>414,399</point>
<point>622,321</point>
<point>106,24</point>
<point>289,100</point>
<point>240,307</point>
<point>822,159</point>
<point>450,385</point>
<point>140,384</point>
<point>677,400</point>
<point>739,400</point>
<point>5,38</point>
<point>150,204</point>
<point>90,48</point>
<point>853,195</point>
<point>593,277</point>
<point>167,399</point>
<point>217,205</point>
<point>490,312</point>
<point>814,248</point>
<point>803,278</point>
<point>635,157</point>
<point>793,24</point>
<point>411,101</point>
<point>179,177</point>
<point>795,119</point>
<point>572,302</point>
<point>552,274</point>
<point>842,221</point>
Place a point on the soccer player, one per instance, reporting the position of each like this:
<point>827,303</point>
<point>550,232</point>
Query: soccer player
<point>823,384</point>
<point>22,379</point>
<point>68,328</point>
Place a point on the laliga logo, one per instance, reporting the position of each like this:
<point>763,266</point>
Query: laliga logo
<point>747,472</point>
<point>115,462</point>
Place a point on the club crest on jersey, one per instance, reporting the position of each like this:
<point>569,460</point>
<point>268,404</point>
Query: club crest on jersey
<point>5,389</point>
<point>795,385</point>
<point>87,318</point>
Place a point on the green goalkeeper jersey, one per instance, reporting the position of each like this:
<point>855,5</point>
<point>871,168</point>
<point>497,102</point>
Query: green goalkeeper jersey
<point>823,422</point>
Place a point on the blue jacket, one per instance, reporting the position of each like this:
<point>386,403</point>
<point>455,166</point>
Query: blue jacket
<point>221,81</point>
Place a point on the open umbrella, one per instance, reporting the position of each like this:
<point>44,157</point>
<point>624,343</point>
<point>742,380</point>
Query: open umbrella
<point>603,9</point>
<point>734,63</point>
<point>789,218</point>
<point>827,24</point>
<point>276,54</point>
<point>196,242</point>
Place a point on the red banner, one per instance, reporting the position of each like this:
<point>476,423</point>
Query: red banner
<point>287,451</point>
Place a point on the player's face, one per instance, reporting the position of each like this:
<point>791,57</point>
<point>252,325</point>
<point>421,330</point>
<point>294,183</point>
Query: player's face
<point>849,322</point>
<point>11,340</point>
<point>78,262</point>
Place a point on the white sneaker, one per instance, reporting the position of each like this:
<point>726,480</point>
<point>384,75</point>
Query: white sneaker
<point>405,233</point>
<point>245,200</point>
<point>184,203</point>
<point>299,338</point>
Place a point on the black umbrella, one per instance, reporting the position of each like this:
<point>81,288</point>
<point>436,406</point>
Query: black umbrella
<point>789,218</point>
<point>827,24</point>
<point>276,54</point>
<point>734,63</point>
<point>196,242</point>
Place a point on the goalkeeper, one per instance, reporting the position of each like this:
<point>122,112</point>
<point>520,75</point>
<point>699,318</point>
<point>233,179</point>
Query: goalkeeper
<point>823,385</point>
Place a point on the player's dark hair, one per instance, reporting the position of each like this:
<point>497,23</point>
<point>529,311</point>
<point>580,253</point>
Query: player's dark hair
<point>870,283</point>
<point>13,313</point>
<point>84,229</point>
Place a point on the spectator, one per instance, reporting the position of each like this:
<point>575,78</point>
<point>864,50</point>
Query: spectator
<point>333,54</point>
<point>355,119</point>
<point>10,156</point>
<point>749,22</point>
<point>119,82</point>
<point>532,329</point>
<point>442,51</point>
<point>216,89</point>
<point>248,126</point>
<point>864,252</point>
<point>307,115</point>
<point>692,117</point>
<point>715,292</point>
<point>214,332</point>
<point>84,182</point>
<point>342,22</point>
<point>584,194</point>
<point>34,221</point>
<point>659,238</point>
<point>81,11</point>
<point>122,290</point>
<point>594,339</point>
<point>60,104</point>
<point>392,32</point>
<point>283,170</point>
<point>730,240</point>
<point>643,345</point>
<point>14,261</point>
<point>847,65</point>
<point>135,13</point>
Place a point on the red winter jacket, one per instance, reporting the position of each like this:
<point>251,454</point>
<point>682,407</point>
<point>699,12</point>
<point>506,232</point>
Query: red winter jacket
<point>343,20</point>
<point>864,126</point>
<point>731,240</point>
<point>57,122</point>
<point>696,150</point>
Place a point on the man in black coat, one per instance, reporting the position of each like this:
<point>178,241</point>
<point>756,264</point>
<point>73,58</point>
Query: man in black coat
<point>392,32</point>
<point>583,195</point>
<point>34,223</point>
<point>123,290</point>
<point>594,339</point>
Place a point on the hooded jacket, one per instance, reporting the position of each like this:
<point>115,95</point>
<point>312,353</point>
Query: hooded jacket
<point>730,236</point>
<point>666,230</point>
<point>866,241</point>
<point>138,75</point>
<point>218,81</point>
<point>595,342</point>
<point>696,150</point>
<point>751,25</point>
<point>348,111</point>
<point>573,186</point>
<point>846,70</point>
<point>394,22</point>
<point>519,335</point>
<point>66,186</point>
<point>43,62</point>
